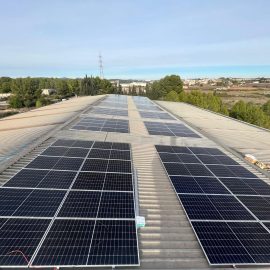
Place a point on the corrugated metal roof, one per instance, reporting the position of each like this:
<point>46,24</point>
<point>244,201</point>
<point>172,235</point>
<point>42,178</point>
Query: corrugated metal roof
<point>240,136</point>
<point>167,241</point>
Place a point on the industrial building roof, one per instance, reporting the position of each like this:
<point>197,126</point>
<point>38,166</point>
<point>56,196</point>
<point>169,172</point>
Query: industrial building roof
<point>167,241</point>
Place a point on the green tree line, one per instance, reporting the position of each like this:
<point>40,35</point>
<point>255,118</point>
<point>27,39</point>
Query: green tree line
<point>26,92</point>
<point>170,88</point>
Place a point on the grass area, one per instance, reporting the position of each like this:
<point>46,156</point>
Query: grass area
<point>229,97</point>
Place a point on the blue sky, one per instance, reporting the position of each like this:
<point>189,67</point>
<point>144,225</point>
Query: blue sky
<point>138,39</point>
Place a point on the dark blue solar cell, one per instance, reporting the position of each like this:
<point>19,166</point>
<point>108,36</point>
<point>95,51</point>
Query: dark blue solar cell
<point>220,244</point>
<point>89,181</point>
<point>114,243</point>
<point>122,166</point>
<point>211,185</point>
<point>116,154</point>
<point>220,170</point>
<point>95,165</point>
<point>82,204</point>
<point>168,157</point>
<point>185,184</point>
<point>42,162</point>
<point>116,205</point>
<point>259,206</point>
<point>26,178</point>
<point>57,179</point>
<point>240,171</point>
<point>11,200</point>
<point>84,144</point>
<point>214,207</point>
<point>120,146</point>
<point>99,153</point>
<point>164,148</point>
<point>55,151</point>
<point>176,169</point>
<point>181,150</point>
<point>199,207</point>
<point>40,203</point>
<point>103,145</point>
<point>118,182</point>
<point>23,235</point>
<point>76,152</point>
<point>67,243</point>
<point>241,186</point>
<point>72,164</point>
<point>187,158</point>
<point>198,170</point>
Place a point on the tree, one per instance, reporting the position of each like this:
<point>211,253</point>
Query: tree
<point>5,84</point>
<point>15,102</point>
<point>250,113</point>
<point>62,88</point>
<point>162,87</point>
<point>172,96</point>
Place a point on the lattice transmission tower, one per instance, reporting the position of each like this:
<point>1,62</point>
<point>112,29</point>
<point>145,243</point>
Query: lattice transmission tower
<point>101,74</point>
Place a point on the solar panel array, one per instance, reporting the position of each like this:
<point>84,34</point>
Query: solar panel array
<point>117,105</point>
<point>227,205</point>
<point>73,205</point>
<point>156,115</point>
<point>102,124</point>
<point>169,129</point>
<point>109,111</point>
<point>142,100</point>
<point>143,103</point>
<point>116,98</point>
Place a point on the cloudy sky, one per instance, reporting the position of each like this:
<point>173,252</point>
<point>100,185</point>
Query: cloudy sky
<point>137,39</point>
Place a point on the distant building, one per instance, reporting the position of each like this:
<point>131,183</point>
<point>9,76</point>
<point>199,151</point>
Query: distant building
<point>139,86</point>
<point>115,82</point>
<point>47,92</point>
<point>5,95</point>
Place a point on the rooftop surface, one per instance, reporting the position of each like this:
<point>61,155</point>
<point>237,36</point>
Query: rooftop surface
<point>19,131</point>
<point>167,241</point>
<point>237,135</point>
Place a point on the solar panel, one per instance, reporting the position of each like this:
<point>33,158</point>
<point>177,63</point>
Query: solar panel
<point>20,235</point>
<point>67,243</point>
<point>73,205</point>
<point>234,242</point>
<point>259,206</point>
<point>147,107</point>
<point>43,179</point>
<point>156,115</point>
<point>114,243</point>
<point>113,104</point>
<point>214,207</point>
<point>227,205</point>
<point>169,129</point>
<point>102,124</point>
<point>82,204</point>
<point>109,111</point>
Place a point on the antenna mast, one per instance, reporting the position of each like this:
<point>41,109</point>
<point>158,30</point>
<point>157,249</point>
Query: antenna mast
<point>101,74</point>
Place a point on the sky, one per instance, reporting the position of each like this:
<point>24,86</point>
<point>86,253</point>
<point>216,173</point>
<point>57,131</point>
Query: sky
<point>140,39</point>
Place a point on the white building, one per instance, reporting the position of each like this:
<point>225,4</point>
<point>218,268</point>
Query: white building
<point>126,87</point>
<point>47,92</point>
